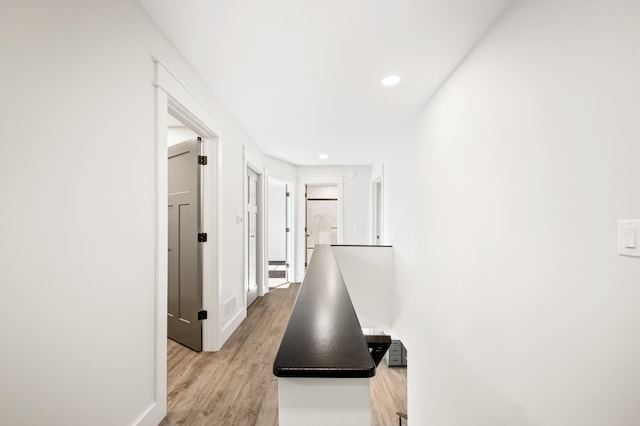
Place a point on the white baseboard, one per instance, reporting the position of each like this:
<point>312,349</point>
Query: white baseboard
<point>153,416</point>
<point>231,326</point>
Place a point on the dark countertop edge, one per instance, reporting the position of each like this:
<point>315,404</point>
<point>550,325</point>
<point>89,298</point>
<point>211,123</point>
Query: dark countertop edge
<point>356,245</point>
<point>324,373</point>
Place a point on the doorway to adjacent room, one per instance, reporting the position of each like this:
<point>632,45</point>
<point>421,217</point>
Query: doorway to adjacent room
<point>321,217</point>
<point>280,231</point>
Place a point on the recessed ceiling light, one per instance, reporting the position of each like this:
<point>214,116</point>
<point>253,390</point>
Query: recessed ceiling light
<point>323,156</point>
<point>391,80</point>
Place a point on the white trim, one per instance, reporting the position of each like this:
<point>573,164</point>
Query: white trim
<point>172,93</point>
<point>215,335</point>
<point>232,324</point>
<point>321,180</point>
<point>340,236</point>
<point>200,116</point>
<point>377,215</point>
<point>159,408</point>
<point>153,416</point>
<point>261,261</point>
<point>377,175</point>
<point>210,252</point>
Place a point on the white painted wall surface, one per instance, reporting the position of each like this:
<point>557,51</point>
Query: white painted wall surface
<point>368,275</point>
<point>516,308</point>
<point>279,168</point>
<point>277,218</point>
<point>78,230</point>
<point>324,401</point>
<point>175,135</point>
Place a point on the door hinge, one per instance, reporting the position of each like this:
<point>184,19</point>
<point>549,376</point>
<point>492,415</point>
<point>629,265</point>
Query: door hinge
<point>202,315</point>
<point>288,194</point>
<point>202,160</point>
<point>202,237</point>
<point>305,264</point>
<point>288,230</point>
<point>286,265</point>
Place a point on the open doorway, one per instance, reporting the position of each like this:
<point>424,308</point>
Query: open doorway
<point>321,224</point>
<point>185,234</point>
<point>279,228</point>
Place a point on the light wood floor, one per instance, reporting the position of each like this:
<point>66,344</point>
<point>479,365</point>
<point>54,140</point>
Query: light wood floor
<point>236,386</point>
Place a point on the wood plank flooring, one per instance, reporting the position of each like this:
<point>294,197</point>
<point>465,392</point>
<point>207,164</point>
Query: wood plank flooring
<point>236,386</point>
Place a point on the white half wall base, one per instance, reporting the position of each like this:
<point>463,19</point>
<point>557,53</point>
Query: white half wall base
<point>324,401</point>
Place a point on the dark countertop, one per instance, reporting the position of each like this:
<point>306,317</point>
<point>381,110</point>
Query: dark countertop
<point>323,337</point>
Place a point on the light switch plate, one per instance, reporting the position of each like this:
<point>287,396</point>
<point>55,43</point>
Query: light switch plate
<point>629,237</point>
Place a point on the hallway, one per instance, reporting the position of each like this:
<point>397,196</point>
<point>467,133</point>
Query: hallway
<point>235,386</point>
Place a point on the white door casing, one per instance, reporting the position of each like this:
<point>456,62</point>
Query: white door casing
<point>252,236</point>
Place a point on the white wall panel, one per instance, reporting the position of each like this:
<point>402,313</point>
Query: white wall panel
<point>368,275</point>
<point>504,201</point>
<point>78,229</point>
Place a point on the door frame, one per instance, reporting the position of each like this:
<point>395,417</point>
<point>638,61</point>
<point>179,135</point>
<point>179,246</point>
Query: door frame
<point>258,236</point>
<point>261,269</point>
<point>171,94</point>
<point>301,206</point>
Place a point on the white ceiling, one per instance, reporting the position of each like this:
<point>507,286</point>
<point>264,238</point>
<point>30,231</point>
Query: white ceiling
<point>304,78</point>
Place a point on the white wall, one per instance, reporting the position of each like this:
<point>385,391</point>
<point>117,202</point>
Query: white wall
<point>78,234</point>
<point>515,307</point>
<point>280,169</point>
<point>175,135</point>
<point>277,217</point>
<point>368,275</point>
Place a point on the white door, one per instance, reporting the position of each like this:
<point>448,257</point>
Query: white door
<point>252,232</point>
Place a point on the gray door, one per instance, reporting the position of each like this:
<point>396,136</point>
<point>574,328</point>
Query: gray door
<point>185,254</point>
<point>252,228</point>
